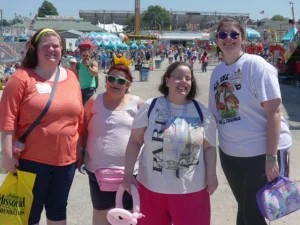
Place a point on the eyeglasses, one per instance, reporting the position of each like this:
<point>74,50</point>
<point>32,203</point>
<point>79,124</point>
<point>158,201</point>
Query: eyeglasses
<point>118,80</point>
<point>85,55</point>
<point>233,35</point>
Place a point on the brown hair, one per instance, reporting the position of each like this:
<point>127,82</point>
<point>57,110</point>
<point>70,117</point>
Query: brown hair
<point>236,23</point>
<point>165,90</point>
<point>31,58</point>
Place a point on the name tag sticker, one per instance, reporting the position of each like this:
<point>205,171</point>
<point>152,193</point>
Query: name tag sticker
<point>43,88</point>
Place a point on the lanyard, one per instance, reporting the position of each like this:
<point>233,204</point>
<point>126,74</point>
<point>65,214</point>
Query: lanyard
<point>172,135</point>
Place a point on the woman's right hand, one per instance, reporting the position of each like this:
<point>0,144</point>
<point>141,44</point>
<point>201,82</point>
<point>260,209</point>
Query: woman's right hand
<point>10,164</point>
<point>129,179</point>
<point>80,159</point>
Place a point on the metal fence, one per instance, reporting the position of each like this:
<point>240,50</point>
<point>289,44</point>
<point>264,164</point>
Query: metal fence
<point>11,52</point>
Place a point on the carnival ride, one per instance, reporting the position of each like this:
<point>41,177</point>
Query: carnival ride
<point>291,55</point>
<point>137,26</point>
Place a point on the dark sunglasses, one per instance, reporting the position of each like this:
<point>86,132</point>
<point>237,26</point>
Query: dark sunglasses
<point>113,79</point>
<point>233,35</point>
<point>85,55</point>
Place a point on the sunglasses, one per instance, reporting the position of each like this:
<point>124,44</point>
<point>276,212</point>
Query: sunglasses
<point>233,35</point>
<point>113,79</point>
<point>85,55</point>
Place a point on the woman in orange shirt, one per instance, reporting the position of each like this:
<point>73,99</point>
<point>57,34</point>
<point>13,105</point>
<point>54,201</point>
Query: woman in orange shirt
<point>51,148</point>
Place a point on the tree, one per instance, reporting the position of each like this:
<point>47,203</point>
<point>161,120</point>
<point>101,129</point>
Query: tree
<point>156,17</point>
<point>47,8</point>
<point>129,27</point>
<point>16,20</point>
<point>5,23</point>
<point>278,18</point>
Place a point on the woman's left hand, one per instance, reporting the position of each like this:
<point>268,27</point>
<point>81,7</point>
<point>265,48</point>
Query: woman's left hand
<point>212,183</point>
<point>272,170</point>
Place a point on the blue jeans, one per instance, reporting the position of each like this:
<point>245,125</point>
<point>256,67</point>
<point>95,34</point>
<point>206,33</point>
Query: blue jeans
<point>51,188</point>
<point>204,67</point>
<point>87,93</point>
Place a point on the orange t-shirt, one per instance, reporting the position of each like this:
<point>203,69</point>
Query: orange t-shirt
<point>53,141</point>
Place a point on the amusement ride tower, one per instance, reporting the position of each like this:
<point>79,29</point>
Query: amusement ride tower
<point>137,17</point>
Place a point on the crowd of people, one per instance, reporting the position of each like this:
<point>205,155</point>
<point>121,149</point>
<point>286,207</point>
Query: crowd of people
<point>165,146</point>
<point>7,71</point>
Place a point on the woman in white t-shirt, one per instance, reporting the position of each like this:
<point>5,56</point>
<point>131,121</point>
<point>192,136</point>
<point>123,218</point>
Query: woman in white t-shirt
<point>177,165</point>
<point>109,118</point>
<point>254,138</point>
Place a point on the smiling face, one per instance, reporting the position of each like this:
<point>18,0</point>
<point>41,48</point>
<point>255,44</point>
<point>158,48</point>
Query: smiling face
<point>49,50</point>
<point>230,45</point>
<point>85,55</point>
<point>115,89</point>
<point>179,82</point>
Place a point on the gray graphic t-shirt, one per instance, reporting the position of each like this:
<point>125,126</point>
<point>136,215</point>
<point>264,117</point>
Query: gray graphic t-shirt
<point>168,166</point>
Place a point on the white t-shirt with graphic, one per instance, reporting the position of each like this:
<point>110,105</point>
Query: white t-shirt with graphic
<point>236,94</point>
<point>159,160</point>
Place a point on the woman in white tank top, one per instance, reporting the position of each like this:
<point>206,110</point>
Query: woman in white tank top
<point>109,118</point>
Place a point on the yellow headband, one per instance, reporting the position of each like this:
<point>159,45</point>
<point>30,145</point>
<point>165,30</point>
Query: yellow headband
<point>42,32</point>
<point>122,61</point>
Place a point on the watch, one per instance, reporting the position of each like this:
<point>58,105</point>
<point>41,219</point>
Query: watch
<point>271,158</point>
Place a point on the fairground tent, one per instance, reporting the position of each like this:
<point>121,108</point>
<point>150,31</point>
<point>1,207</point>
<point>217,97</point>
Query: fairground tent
<point>112,28</point>
<point>290,34</point>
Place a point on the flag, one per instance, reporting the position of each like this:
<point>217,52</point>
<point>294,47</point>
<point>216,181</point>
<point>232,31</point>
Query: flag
<point>262,12</point>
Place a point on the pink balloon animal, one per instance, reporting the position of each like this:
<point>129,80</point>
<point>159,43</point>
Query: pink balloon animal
<point>120,216</point>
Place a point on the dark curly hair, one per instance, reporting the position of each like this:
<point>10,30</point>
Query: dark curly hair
<point>31,58</point>
<point>165,90</point>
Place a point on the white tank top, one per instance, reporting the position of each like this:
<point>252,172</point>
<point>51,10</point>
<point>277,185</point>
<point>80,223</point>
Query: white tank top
<point>108,135</point>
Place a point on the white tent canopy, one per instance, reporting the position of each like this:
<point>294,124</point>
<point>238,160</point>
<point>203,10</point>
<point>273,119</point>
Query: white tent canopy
<point>113,28</point>
<point>184,36</point>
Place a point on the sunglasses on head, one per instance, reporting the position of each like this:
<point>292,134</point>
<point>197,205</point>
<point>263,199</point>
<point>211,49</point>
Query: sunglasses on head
<point>233,35</point>
<point>118,80</point>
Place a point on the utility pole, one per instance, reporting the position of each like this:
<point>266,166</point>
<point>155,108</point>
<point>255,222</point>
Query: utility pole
<point>292,4</point>
<point>1,20</point>
<point>137,17</point>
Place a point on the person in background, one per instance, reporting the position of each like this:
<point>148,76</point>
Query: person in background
<point>280,65</point>
<point>87,72</point>
<point>109,118</point>
<point>177,165</point>
<point>194,54</point>
<point>51,148</point>
<point>148,55</point>
<point>204,60</point>
<point>254,138</point>
<point>104,60</point>
<point>110,58</point>
<point>9,69</point>
<point>73,66</point>
<point>189,54</point>
<point>17,66</point>
<point>185,55</point>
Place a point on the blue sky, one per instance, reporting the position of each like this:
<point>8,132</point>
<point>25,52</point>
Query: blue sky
<point>72,7</point>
